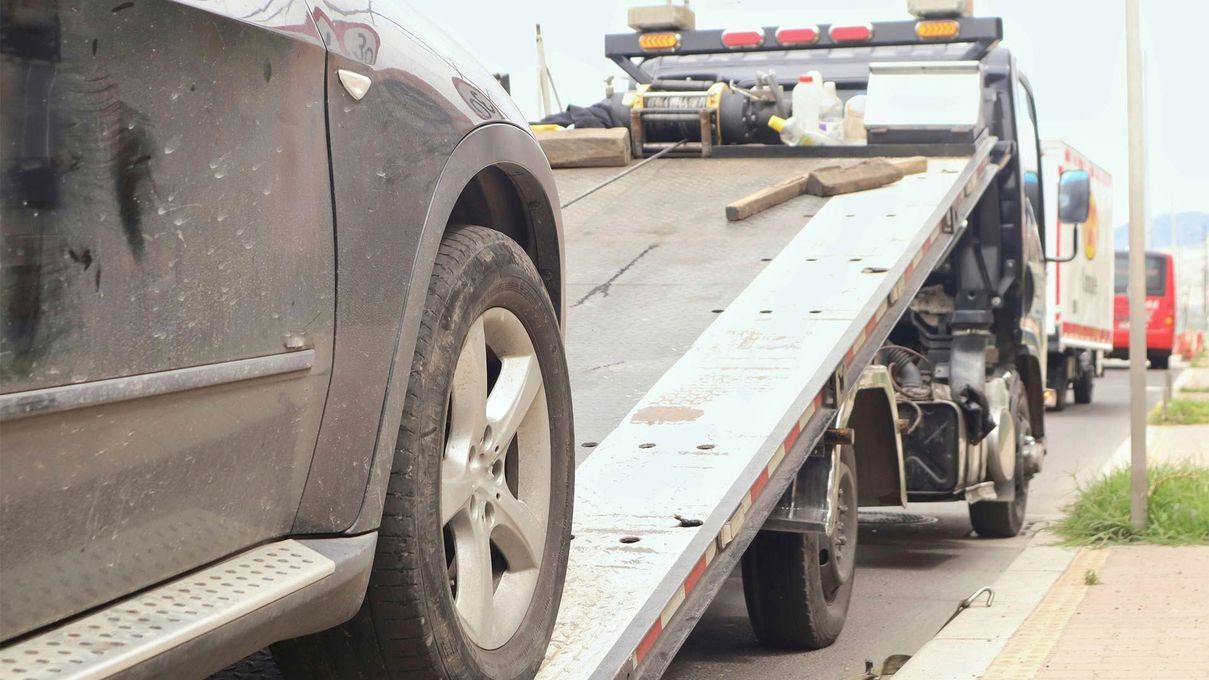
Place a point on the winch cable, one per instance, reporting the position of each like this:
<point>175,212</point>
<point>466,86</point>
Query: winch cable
<point>623,173</point>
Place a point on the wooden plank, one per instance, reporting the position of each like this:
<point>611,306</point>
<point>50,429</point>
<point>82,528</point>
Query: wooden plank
<point>868,174</point>
<point>586,148</point>
<point>764,199</point>
<point>912,165</point>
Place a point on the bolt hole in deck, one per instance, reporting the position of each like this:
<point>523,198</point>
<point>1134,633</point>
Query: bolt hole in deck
<point>629,539</point>
<point>647,445</point>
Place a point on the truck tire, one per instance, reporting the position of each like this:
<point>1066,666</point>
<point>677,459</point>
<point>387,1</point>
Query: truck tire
<point>797,586</point>
<point>1085,385</point>
<point>1059,382</point>
<point>1005,519</point>
<point>1160,361</point>
<point>489,354</point>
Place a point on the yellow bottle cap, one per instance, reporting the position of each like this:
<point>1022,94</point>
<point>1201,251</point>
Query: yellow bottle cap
<point>777,123</point>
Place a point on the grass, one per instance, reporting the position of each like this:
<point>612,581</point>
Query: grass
<point>1181,412</point>
<point>1178,509</point>
<point>1198,390</point>
<point>1091,578</point>
<point>1201,360</point>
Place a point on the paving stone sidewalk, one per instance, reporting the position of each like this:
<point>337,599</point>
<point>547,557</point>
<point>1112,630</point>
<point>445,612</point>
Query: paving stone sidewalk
<point>1148,618</point>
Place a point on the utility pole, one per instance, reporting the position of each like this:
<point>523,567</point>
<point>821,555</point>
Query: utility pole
<point>1137,270</point>
<point>545,83</point>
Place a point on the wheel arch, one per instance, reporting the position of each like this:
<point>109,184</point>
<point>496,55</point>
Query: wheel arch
<point>872,414</point>
<point>511,199</point>
<point>497,171</point>
<point>1030,370</point>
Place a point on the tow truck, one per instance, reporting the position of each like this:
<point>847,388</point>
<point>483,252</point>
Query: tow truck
<point>743,387</point>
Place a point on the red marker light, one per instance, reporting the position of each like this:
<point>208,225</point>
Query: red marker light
<point>851,34</point>
<point>790,37</point>
<point>743,38</point>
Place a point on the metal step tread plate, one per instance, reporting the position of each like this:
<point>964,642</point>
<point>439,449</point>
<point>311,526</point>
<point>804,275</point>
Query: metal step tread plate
<point>706,442</point>
<point>120,636</point>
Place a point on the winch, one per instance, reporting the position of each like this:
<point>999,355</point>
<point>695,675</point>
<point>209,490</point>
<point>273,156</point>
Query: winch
<point>695,115</point>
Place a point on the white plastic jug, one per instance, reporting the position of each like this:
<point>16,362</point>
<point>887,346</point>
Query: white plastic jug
<point>854,119</point>
<point>831,112</point>
<point>808,100</point>
<point>793,134</point>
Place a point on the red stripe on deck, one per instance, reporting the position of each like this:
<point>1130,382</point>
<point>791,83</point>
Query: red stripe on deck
<point>792,436</point>
<point>648,641</point>
<point>694,576</point>
<point>759,484</point>
<point>870,326</point>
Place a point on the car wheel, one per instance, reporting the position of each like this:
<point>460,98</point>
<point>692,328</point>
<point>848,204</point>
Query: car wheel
<point>473,546</point>
<point>1160,361</point>
<point>797,586</point>
<point>1005,519</point>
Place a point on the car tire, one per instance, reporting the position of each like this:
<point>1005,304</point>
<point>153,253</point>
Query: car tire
<point>1160,361</point>
<point>1005,519</point>
<point>797,586</point>
<point>487,314</point>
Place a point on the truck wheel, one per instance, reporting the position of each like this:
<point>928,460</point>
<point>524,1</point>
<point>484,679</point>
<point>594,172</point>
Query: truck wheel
<point>1160,360</point>
<point>1060,384</point>
<point>797,586</point>
<point>1004,519</point>
<point>1085,386</point>
<point>473,546</point>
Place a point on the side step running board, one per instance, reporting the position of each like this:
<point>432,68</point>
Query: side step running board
<point>123,635</point>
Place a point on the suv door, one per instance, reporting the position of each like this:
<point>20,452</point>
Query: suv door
<point>166,295</point>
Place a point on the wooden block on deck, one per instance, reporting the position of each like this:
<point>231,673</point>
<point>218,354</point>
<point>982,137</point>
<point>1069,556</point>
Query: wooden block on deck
<point>586,148</point>
<point>764,199</point>
<point>868,174</point>
<point>912,165</point>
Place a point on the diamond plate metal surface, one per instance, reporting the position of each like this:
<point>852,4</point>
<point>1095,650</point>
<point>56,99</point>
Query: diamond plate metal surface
<point>122,635</point>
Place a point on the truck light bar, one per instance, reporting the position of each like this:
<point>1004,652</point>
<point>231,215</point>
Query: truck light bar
<point>797,37</point>
<point>937,29</point>
<point>982,32</point>
<point>743,38</point>
<point>860,33</point>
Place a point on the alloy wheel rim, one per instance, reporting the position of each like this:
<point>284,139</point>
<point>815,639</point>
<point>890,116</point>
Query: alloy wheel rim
<point>495,478</point>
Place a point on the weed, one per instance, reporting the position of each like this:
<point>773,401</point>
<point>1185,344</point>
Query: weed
<point>1181,412</point>
<point>1177,510</point>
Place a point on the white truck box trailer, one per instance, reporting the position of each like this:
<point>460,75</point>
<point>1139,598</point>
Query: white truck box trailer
<point>1079,282</point>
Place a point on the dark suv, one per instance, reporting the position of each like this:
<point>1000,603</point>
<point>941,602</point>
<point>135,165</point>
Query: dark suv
<point>281,301</point>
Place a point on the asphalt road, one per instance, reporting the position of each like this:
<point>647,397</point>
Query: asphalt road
<point>910,577</point>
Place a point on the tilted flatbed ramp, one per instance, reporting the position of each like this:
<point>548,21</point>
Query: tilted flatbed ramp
<point>733,401</point>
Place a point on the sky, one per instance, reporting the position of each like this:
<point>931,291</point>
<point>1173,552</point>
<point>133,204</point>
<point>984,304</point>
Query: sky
<point>1072,50</point>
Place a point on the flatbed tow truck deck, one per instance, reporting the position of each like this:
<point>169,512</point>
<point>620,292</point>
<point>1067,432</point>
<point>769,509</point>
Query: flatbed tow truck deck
<point>707,372</point>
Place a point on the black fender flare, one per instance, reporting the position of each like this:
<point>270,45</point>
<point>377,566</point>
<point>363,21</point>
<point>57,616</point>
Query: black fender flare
<point>518,154</point>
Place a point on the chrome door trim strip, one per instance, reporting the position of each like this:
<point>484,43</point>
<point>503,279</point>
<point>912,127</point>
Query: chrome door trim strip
<point>83,395</point>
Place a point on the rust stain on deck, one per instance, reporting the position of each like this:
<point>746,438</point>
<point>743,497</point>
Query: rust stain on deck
<point>652,415</point>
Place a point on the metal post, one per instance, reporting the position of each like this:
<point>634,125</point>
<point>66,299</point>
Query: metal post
<point>1137,270</point>
<point>1166,391</point>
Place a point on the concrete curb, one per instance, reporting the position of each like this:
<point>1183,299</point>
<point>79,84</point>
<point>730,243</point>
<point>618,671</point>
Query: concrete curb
<point>969,644</point>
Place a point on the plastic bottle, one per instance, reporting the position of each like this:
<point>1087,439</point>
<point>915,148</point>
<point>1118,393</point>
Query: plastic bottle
<point>831,112</point>
<point>807,100</point>
<point>854,119</point>
<point>793,134</point>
